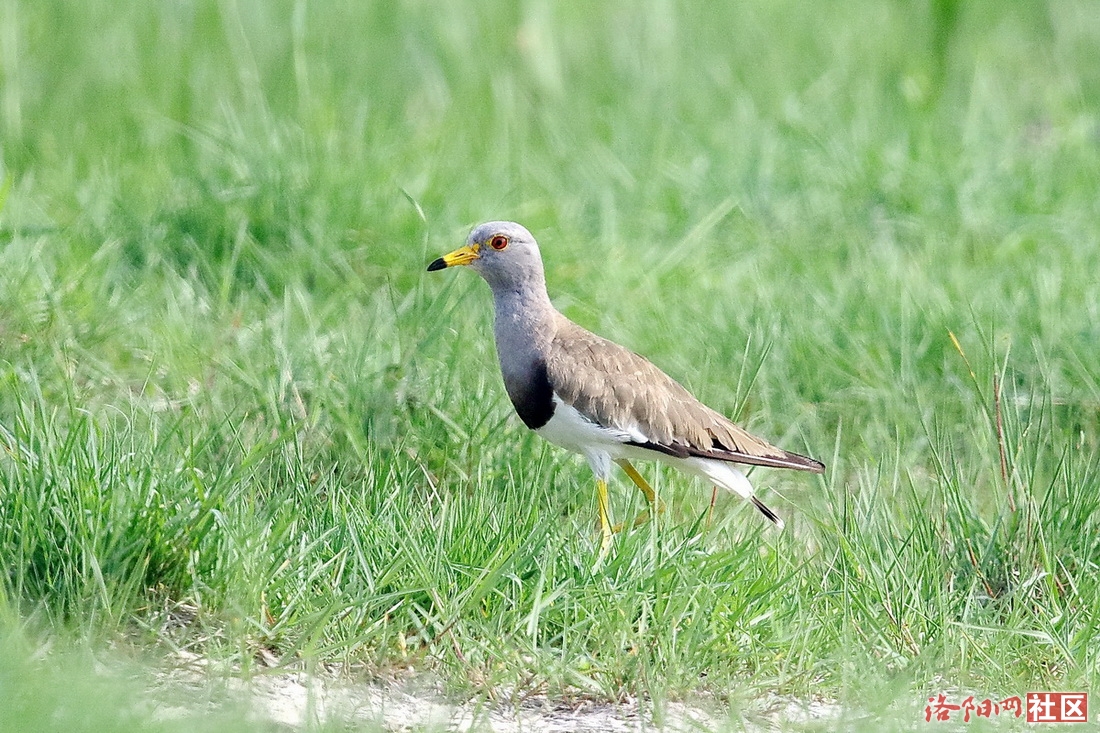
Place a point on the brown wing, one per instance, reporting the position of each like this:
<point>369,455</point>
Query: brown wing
<point>615,387</point>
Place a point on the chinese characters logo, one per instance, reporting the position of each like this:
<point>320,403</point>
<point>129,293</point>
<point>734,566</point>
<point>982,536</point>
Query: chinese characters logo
<point>1057,707</point>
<point>1040,707</point>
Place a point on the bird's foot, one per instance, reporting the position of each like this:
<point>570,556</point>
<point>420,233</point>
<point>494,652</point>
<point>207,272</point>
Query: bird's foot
<point>606,533</point>
<point>605,547</point>
<point>637,522</point>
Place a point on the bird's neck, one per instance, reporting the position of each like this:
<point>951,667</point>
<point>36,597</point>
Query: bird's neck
<point>524,324</point>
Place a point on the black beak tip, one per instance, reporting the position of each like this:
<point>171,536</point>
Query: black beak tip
<point>437,265</point>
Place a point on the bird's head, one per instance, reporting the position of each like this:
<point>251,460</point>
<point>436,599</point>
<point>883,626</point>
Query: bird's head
<point>502,252</point>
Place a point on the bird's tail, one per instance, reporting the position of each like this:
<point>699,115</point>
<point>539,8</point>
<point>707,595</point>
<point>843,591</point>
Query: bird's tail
<point>772,516</point>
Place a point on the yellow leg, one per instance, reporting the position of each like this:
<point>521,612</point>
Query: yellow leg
<point>605,521</point>
<point>650,495</point>
<point>710,509</point>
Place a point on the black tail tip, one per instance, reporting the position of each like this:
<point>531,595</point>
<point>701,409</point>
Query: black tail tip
<point>772,516</point>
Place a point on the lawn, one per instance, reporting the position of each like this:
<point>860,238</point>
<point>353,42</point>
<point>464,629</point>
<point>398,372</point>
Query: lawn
<point>240,423</point>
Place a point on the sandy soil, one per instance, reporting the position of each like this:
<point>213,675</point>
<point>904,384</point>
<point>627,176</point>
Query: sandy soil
<point>295,700</point>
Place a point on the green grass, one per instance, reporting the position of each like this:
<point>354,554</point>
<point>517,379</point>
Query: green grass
<point>227,382</point>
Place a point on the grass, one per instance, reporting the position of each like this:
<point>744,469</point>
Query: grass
<point>868,231</point>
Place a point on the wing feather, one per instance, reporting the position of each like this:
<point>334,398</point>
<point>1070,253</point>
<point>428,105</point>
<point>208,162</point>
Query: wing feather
<point>615,387</point>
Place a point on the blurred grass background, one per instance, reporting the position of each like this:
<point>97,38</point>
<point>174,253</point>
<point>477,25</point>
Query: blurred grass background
<point>230,388</point>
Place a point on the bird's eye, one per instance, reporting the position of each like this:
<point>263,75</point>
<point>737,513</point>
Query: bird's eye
<point>498,241</point>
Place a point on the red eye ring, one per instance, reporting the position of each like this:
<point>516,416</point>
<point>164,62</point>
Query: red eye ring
<point>498,241</point>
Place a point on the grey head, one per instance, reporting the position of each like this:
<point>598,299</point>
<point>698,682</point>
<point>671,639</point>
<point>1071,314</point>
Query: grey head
<point>504,253</point>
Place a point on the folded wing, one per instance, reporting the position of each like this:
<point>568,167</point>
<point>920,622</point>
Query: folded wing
<point>615,387</point>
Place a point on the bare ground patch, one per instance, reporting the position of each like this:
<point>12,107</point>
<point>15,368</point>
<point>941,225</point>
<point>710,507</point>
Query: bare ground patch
<point>291,701</point>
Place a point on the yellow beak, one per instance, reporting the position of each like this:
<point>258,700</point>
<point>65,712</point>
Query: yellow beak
<point>461,256</point>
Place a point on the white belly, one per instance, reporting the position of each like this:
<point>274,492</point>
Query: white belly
<point>570,429</point>
<point>601,445</point>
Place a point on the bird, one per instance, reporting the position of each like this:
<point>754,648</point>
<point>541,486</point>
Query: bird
<point>590,395</point>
